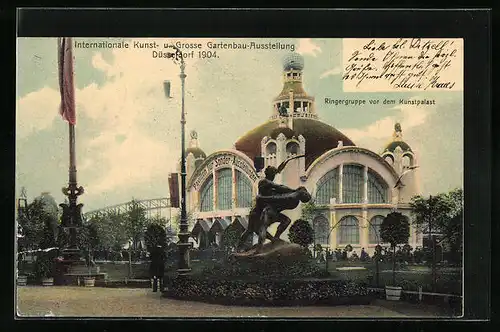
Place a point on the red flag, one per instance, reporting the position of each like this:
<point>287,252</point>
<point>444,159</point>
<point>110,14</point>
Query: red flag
<point>66,85</point>
<point>173,184</point>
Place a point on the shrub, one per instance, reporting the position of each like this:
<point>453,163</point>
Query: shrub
<point>44,266</point>
<point>395,229</point>
<point>155,235</point>
<point>261,292</point>
<point>301,233</point>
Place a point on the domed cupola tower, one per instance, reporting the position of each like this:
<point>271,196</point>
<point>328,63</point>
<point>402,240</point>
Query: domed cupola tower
<point>292,129</point>
<point>402,158</point>
<point>194,155</point>
<point>398,153</point>
<point>293,101</point>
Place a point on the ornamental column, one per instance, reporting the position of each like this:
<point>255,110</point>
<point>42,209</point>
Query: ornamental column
<point>233,188</point>
<point>216,185</point>
<point>365,185</point>
<point>364,238</point>
<point>341,180</point>
<point>280,154</point>
<point>333,226</point>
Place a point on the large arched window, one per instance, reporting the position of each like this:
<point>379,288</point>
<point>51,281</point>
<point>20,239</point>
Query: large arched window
<point>348,232</point>
<point>292,148</point>
<point>328,187</point>
<point>374,231</point>
<point>243,190</point>
<point>207,195</point>
<point>321,230</point>
<point>377,188</point>
<point>352,184</point>
<point>224,189</point>
<point>407,160</point>
<point>271,148</point>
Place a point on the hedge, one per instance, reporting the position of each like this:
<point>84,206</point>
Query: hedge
<point>268,292</point>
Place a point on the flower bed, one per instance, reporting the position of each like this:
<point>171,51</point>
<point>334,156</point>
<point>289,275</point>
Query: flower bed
<point>288,292</point>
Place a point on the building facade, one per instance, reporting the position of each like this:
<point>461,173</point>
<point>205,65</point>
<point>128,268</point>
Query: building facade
<point>353,188</point>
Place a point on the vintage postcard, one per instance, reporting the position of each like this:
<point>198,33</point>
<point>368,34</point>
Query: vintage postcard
<point>250,177</point>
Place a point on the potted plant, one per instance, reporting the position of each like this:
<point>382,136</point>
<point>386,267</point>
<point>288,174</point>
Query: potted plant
<point>22,278</point>
<point>44,269</point>
<point>395,230</point>
<point>89,280</point>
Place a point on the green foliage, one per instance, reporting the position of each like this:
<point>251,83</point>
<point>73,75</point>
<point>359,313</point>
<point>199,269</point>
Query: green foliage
<point>176,220</point>
<point>318,248</point>
<point>44,266</point>
<point>135,223</point>
<point>110,230</point>
<point>269,292</point>
<point>88,237</point>
<point>155,235</point>
<point>301,232</point>
<point>395,229</point>
<point>230,237</point>
<point>35,223</point>
<point>309,211</point>
<point>443,213</point>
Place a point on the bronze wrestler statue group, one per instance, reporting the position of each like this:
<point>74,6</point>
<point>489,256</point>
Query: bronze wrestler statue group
<point>271,200</point>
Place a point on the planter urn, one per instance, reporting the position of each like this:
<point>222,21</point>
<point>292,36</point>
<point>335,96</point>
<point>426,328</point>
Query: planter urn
<point>89,281</point>
<point>22,280</point>
<point>48,282</point>
<point>393,293</point>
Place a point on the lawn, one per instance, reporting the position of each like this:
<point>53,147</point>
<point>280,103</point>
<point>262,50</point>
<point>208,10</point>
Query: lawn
<point>410,277</point>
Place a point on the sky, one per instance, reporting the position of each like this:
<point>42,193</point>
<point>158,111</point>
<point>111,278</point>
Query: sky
<point>128,132</point>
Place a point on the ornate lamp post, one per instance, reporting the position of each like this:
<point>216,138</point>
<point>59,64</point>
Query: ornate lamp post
<point>183,244</point>
<point>72,212</point>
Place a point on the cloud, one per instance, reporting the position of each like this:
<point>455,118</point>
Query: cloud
<point>306,46</point>
<point>331,72</point>
<point>376,134</point>
<point>36,111</point>
<point>128,133</point>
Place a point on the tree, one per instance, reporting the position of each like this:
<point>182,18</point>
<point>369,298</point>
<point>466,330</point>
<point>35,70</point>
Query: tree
<point>176,220</point>
<point>437,211</point>
<point>39,226</point>
<point>32,222</point>
<point>442,214</point>
<point>89,240</point>
<point>135,223</point>
<point>395,229</point>
<point>301,232</point>
<point>162,221</point>
<point>155,236</point>
<point>309,211</point>
<point>231,237</point>
<point>110,231</point>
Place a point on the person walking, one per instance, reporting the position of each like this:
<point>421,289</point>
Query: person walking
<point>157,267</point>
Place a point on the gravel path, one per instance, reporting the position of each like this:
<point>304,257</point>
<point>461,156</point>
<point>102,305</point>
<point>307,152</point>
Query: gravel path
<point>122,302</point>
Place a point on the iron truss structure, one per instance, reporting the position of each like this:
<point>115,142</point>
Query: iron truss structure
<point>152,206</point>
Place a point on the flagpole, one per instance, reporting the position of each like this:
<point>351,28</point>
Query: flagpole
<point>71,217</point>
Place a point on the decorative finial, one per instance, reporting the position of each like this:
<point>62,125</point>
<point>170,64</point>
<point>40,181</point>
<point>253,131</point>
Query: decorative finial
<point>293,61</point>
<point>193,143</point>
<point>23,192</point>
<point>397,127</point>
<point>398,135</point>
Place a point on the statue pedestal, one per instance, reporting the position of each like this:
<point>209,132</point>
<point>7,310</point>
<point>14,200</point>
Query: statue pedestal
<point>278,259</point>
<point>275,249</point>
<point>280,274</point>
